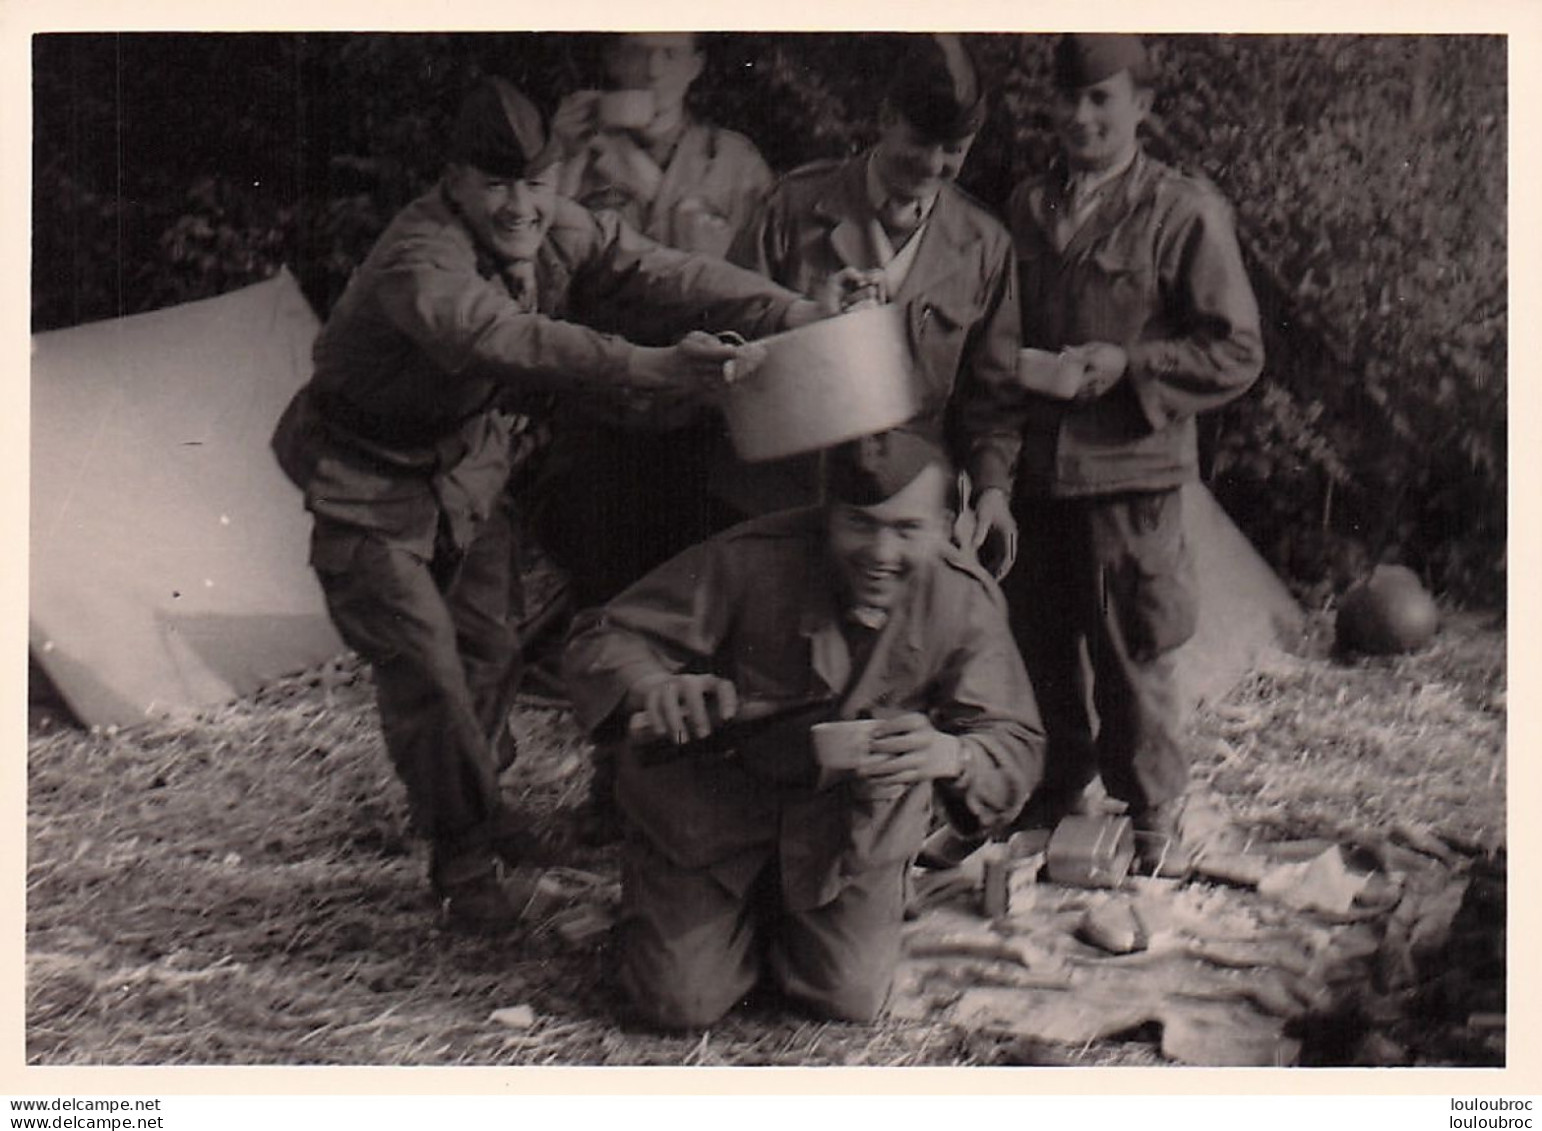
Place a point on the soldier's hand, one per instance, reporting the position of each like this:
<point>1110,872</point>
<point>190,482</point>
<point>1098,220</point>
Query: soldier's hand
<point>1102,365</point>
<point>698,363</point>
<point>994,539</point>
<point>576,120</point>
<point>851,288</point>
<point>681,707</point>
<point>907,749</point>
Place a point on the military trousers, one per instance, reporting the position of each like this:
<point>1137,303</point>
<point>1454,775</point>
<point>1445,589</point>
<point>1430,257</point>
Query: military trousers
<point>691,947</point>
<point>441,637</point>
<point>1102,594</point>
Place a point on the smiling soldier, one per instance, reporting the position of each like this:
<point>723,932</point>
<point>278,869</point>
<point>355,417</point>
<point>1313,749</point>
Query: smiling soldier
<point>1131,271</point>
<point>471,302</point>
<point>891,225</point>
<point>859,607</point>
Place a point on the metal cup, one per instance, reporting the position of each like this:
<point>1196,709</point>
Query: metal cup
<point>842,745</point>
<point>1050,374</point>
<point>626,109</point>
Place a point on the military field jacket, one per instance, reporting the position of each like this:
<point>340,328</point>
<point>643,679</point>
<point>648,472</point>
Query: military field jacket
<point>1155,269</point>
<point>711,185</point>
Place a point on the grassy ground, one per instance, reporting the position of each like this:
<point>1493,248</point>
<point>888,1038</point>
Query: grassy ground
<point>240,888</point>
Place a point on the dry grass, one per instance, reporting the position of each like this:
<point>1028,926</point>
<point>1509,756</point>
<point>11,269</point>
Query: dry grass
<point>1311,744</point>
<point>241,887</point>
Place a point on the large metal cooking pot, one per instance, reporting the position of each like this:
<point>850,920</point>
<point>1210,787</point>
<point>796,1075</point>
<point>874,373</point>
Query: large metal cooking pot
<point>834,380</point>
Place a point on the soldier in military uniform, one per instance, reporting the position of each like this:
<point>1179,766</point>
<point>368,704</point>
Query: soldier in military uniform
<point>474,300</point>
<point>1130,270</point>
<point>683,181</point>
<point>890,225</point>
<point>861,607</point>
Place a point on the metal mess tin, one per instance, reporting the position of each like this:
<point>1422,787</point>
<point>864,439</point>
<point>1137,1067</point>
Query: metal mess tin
<point>1090,852</point>
<point>824,383</point>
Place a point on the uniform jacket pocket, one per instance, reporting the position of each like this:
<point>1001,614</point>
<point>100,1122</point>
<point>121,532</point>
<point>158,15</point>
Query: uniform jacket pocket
<point>937,334</point>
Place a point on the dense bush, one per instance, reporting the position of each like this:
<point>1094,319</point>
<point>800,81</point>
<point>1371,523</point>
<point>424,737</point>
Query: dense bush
<point>1373,204</point>
<point>1368,174</point>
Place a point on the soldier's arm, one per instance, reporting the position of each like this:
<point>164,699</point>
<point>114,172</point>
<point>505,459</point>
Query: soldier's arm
<point>986,413</point>
<point>760,244</point>
<point>753,184</point>
<point>433,294</point>
<point>671,621</point>
<point>1219,351</point>
<point>983,697</point>
<point>673,292</point>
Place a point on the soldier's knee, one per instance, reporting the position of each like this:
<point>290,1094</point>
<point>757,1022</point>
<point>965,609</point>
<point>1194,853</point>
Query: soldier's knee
<point>671,989</point>
<point>857,996</point>
<point>677,1003</point>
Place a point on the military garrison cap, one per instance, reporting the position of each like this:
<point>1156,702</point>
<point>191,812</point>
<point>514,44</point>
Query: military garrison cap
<point>499,131</point>
<point>937,89</point>
<point>1083,59</point>
<point>866,472</point>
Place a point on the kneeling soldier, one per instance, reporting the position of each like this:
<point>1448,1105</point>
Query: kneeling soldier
<point>742,847</point>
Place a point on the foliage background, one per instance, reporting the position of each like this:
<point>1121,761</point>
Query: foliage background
<point>1368,174</point>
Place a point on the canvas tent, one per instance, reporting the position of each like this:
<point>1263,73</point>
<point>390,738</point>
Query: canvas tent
<point>168,553</point>
<point>1244,610</point>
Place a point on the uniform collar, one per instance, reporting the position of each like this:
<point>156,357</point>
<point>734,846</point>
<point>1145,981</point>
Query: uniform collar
<point>847,211</point>
<point>1118,193</point>
<point>1090,182</point>
<point>824,623</point>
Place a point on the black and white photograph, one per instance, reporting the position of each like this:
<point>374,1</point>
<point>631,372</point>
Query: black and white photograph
<point>745,549</point>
